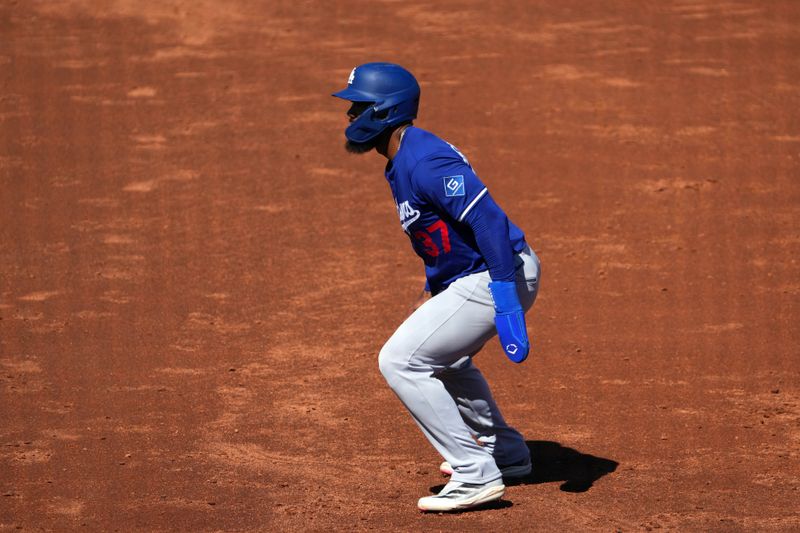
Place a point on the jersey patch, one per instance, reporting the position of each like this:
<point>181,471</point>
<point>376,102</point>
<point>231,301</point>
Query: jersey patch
<point>453,186</point>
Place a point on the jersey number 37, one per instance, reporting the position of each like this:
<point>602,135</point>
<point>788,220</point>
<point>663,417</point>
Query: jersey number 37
<point>426,238</point>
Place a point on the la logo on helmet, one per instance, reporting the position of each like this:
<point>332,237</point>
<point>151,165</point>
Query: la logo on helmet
<point>352,77</point>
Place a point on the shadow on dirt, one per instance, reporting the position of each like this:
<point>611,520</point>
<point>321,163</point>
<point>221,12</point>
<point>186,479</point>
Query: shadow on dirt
<point>554,462</point>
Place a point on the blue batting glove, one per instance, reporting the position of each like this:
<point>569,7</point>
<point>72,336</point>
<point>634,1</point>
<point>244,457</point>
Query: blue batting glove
<point>510,320</point>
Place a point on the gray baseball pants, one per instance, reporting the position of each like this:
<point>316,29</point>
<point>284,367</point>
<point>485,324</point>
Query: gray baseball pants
<point>428,363</point>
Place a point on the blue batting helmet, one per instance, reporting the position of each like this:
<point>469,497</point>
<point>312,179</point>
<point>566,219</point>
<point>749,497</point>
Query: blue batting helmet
<point>391,89</point>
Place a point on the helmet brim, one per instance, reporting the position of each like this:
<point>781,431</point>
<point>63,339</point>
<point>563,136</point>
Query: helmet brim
<point>354,95</point>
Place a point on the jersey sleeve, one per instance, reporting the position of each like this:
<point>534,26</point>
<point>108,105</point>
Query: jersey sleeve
<point>449,183</point>
<point>490,226</point>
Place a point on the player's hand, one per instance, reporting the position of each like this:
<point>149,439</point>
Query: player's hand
<point>510,320</point>
<point>421,299</point>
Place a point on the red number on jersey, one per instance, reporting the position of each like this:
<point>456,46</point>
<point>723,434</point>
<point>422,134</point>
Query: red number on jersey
<point>425,238</point>
<point>439,225</point>
<point>430,247</point>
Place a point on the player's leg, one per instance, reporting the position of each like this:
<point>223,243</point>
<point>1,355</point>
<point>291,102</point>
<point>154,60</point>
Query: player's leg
<point>441,334</point>
<point>445,329</point>
<point>469,389</point>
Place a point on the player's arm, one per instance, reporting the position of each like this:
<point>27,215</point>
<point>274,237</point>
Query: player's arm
<point>467,201</point>
<point>489,224</point>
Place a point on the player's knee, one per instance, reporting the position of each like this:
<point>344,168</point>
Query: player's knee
<point>391,362</point>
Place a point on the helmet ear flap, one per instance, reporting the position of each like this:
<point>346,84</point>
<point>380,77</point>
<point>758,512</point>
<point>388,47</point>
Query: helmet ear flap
<point>393,92</point>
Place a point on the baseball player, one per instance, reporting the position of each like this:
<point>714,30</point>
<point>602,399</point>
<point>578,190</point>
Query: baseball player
<point>481,276</point>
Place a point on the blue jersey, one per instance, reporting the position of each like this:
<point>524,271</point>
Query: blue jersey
<point>437,194</point>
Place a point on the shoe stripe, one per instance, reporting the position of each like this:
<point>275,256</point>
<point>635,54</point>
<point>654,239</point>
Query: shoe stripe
<point>456,492</point>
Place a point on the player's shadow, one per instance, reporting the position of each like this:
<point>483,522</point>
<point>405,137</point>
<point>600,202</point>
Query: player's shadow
<point>553,462</point>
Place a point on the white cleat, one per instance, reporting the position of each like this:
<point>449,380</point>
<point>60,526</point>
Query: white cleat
<point>457,496</point>
<point>517,470</point>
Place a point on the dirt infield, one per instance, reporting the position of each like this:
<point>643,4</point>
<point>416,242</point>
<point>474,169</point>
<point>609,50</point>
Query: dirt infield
<point>195,278</point>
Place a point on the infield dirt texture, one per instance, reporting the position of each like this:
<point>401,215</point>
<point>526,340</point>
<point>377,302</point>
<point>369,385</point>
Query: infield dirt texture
<point>196,278</point>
